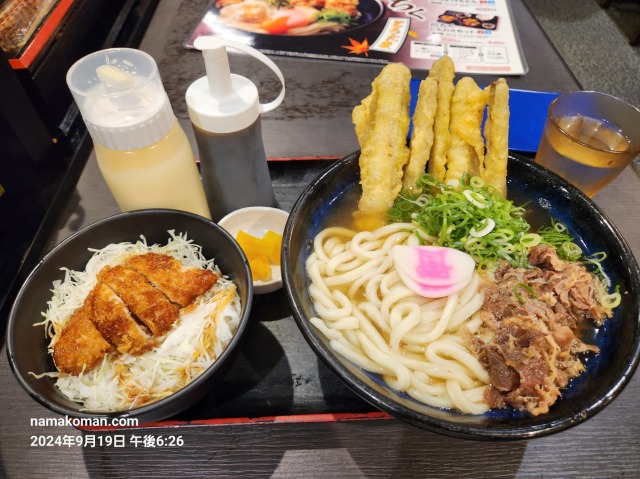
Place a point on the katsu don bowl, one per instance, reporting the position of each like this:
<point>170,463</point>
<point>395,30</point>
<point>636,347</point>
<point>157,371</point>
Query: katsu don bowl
<point>137,315</point>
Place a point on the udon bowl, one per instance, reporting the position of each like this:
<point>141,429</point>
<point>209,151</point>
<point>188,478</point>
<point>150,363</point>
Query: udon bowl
<point>547,195</point>
<point>27,345</point>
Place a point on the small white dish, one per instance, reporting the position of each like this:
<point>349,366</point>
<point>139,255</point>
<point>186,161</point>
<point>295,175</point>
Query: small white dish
<point>256,221</point>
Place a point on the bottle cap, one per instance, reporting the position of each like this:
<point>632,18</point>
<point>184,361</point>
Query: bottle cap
<point>223,102</point>
<point>121,98</point>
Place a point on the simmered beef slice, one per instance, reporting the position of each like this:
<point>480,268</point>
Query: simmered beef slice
<point>530,318</point>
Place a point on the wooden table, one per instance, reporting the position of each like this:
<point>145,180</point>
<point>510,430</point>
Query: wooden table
<point>313,121</point>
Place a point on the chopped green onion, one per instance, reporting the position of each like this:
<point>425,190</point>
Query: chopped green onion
<point>423,236</point>
<point>485,226</point>
<point>524,286</point>
<point>503,235</point>
<point>596,260</point>
<point>508,248</point>
<point>570,250</point>
<point>422,200</point>
<point>472,218</point>
<point>559,227</point>
<point>476,182</point>
<point>530,240</point>
<point>475,198</point>
<point>557,236</point>
<point>612,300</point>
<point>426,182</point>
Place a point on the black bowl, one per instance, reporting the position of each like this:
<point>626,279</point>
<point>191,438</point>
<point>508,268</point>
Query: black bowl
<point>27,345</point>
<point>547,195</point>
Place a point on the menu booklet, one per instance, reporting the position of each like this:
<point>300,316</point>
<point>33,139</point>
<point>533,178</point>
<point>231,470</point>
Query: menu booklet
<point>478,35</point>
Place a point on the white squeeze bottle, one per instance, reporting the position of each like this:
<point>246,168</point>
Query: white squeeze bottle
<point>225,113</point>
<point>142,151</point>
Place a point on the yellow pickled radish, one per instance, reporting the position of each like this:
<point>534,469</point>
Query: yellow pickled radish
<point>273,244</point>
<point>261,252</point>
<point>251,245</point>
<point>260,268</point>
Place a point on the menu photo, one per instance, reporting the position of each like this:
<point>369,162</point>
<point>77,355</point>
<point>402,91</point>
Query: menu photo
<point>478,35</point>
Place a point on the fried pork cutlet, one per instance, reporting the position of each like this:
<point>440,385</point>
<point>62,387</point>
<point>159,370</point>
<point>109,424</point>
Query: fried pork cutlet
<point>145,302</point>
<point>80,346</point>
<point>181,284</point>
<point>114,321</point>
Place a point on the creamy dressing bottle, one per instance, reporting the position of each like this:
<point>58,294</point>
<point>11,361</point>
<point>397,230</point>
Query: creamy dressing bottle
<point>224,109</point>
<point>143,153</point>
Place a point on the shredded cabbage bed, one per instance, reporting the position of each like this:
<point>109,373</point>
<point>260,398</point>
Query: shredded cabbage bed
<point>123,381</point>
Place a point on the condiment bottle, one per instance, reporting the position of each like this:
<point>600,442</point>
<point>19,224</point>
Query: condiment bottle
<point>225,113</point>
<point>143,153</point>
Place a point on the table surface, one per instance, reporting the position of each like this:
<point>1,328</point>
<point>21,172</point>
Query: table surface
<point>315,121</point>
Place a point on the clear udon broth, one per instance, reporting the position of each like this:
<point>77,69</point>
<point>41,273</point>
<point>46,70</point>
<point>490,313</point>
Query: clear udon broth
<point>588,152</point>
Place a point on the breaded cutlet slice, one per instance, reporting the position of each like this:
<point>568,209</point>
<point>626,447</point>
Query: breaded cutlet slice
<point>80,345</point>
<point>181,284</point>
<point>114,321</point>
<point>145,302</point>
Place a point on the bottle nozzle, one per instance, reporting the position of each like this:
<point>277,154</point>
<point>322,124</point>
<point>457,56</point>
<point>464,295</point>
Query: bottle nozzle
<point>216,63</point>
<point>222,102</point>
<point>115,79</point>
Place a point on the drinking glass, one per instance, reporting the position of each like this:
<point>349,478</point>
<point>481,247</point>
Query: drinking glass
<point>589,138</point>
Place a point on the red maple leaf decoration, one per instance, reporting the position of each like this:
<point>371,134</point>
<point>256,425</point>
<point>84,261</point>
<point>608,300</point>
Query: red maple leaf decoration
<point>357,47</point>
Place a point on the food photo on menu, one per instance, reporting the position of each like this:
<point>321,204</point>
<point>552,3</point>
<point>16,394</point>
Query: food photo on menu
<point>294,17</point>
<point>478,38</point>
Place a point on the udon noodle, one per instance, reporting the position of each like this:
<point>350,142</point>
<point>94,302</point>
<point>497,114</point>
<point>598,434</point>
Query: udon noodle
<point>370,317</point>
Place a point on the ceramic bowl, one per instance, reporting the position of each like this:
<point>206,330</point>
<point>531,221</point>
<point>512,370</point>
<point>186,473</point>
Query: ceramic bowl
<point>549,195</point>
<point>256,221</point>
<point>27,345</point>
